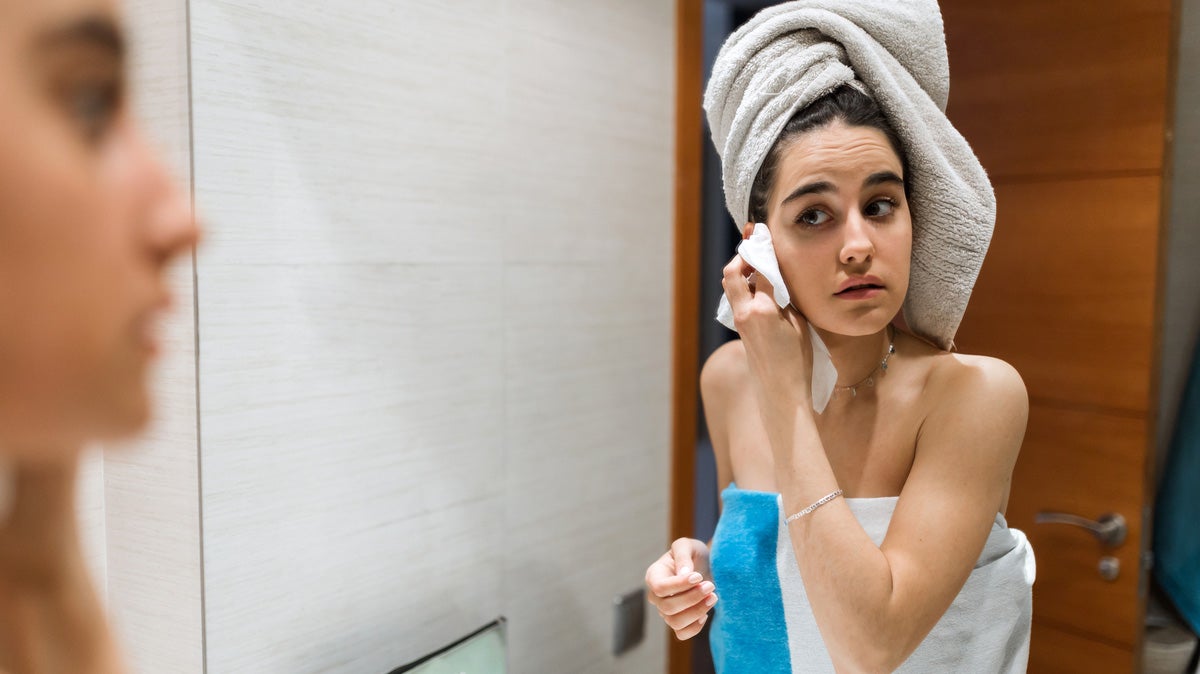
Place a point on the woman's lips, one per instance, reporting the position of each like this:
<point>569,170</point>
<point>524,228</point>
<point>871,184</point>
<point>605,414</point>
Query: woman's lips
<point>148,324</point>
<point>859,293</point>
<point>147,334</point>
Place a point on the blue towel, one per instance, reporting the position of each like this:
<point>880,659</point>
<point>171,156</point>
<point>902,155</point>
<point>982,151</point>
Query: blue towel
<point>1176,532</point>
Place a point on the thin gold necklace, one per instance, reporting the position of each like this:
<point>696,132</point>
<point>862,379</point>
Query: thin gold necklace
<point>869,380</point>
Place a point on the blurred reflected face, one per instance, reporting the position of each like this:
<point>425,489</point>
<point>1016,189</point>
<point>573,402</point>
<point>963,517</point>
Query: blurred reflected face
<point>838,216</point>
<point>89,221</point>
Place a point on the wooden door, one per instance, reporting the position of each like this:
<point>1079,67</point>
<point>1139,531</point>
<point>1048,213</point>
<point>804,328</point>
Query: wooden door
<point>1066,103</point>
<point>685,368</point>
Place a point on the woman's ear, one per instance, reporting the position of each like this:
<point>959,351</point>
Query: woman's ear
<point>747,230</point>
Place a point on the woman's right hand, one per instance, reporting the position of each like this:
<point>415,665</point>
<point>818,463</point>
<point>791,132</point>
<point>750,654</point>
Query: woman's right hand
<point>678,587</point>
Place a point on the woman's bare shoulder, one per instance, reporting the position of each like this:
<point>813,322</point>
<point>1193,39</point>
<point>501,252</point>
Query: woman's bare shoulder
<point>725,373</point>
<point>958,374</point>
<point>954,386</point>
<point>973,424</point>
<point>979,394</point>
<point>950,375</point>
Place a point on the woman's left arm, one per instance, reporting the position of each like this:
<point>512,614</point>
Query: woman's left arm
<point>875,604</point>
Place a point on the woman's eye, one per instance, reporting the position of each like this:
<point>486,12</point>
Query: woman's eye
<point>93,105</point>
<point>812,218</point>
<point>880,208</point>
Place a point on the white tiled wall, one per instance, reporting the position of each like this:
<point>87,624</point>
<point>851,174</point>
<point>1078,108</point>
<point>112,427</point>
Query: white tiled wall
<point>426,378</point>
<point>434,327</point>
<point>151,488</point>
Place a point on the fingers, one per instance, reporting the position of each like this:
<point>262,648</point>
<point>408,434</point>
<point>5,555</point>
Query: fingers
<point>680,593</point>
<point>698,606</point>
<point>734,280</point>
<point>762,285</point>
<point>679,604</point>
<point>663,582</point>
<point>682,553</point>
<point>796,318</point>
<point>691,630</point>
<point>741,293</point>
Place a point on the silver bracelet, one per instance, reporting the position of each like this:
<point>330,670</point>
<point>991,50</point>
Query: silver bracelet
<point>824,499</point>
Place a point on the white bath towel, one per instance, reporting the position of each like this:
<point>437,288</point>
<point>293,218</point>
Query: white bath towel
<point>790,55</point>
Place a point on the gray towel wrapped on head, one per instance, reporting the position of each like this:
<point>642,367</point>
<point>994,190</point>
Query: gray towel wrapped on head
<point>792,54</point>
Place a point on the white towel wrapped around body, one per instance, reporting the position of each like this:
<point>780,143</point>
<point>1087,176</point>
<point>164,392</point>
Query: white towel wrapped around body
<point>792,54</point>
<point>764,621</point>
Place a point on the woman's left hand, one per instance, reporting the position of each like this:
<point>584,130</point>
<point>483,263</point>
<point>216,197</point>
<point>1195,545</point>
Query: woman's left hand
<point>776,339</point>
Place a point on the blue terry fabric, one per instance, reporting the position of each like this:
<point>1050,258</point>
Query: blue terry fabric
<point>748,634</point>
<point>1176,532</point>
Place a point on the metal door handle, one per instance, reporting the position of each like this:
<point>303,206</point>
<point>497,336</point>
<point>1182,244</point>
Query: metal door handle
<point>1109,528</point>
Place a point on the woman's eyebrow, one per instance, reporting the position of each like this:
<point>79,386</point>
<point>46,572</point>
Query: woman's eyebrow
<point>822,186</point>
<point>811,188</point>
<point>882,177</point>
<point>90,31</point>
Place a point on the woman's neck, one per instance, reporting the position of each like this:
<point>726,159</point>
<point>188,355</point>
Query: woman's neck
<point>855,357</point>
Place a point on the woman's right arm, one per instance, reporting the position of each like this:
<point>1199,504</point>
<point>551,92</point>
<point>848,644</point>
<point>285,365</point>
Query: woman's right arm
<point>721,382</point>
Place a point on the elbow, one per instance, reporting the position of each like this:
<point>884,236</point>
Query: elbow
<point>878,655</point>
<point>868,661</point>
<point>885,662</point>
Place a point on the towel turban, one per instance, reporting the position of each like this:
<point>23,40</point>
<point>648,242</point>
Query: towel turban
<point>790,55</point>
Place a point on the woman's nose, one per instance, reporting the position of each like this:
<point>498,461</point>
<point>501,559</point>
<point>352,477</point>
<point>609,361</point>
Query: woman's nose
<point>857,247</point>
<point>170,220</point>
<point>174,229</point>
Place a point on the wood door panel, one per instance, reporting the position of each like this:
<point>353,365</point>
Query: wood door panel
<point>1064,87</point>
<point>1055,651</point>
<point>1067,291</point>
<point>1085,463</point>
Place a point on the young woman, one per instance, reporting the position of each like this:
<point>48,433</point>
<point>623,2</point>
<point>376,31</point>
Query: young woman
<point>89,222</point>
<point>869,536</point>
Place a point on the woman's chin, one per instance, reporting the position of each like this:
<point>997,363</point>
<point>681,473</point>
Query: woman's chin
<point>40,445</point>
<point>868,323</point>
<point>121,417</point>
<point>61,435</point>
<point>130,419</point>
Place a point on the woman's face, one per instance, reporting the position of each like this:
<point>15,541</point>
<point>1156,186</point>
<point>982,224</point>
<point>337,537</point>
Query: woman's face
<point>89,221</point>
<point>837,213</point>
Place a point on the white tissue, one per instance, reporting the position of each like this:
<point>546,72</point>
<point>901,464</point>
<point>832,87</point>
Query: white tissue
<point>758,252</point>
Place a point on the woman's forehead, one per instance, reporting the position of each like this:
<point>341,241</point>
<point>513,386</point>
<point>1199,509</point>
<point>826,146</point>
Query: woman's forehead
<point>838,151</point>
